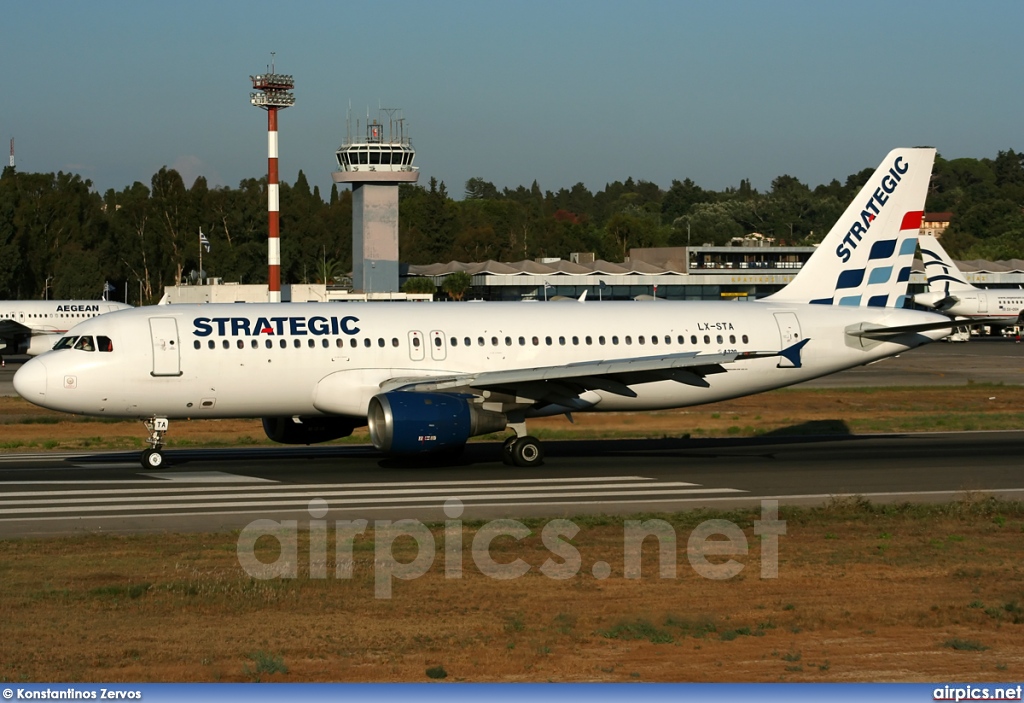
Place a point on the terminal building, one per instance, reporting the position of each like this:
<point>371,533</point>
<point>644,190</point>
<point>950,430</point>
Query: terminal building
<point>741,272</point>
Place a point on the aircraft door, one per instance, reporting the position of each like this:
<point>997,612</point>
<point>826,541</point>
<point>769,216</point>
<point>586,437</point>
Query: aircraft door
<point>416,345</point>
<point>438,350</point>
<point>982,301</point>
<point>166,358</point>
<point>789,334</point>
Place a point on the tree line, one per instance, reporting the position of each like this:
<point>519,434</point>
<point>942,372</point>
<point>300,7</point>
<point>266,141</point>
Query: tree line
<point>59,238</point>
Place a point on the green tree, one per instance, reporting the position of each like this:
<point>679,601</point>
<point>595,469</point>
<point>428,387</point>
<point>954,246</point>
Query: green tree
<point>457,284</point>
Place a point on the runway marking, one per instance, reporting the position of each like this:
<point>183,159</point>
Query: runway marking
<point>207,477</point>
<point>285,492</point>
<point>383,484</point>
<point>72,509</point>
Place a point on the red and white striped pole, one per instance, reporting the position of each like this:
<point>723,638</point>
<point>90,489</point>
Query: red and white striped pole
<point>273,211</point>
<point>274,94</point>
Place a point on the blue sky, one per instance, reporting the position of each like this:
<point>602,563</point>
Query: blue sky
<point>560,92</point>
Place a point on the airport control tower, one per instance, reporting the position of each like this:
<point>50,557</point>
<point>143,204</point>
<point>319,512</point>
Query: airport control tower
<point>375,161</point>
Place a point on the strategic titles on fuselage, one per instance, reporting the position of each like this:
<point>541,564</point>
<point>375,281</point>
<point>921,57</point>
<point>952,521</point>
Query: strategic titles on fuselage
<point>872,208</point>
<point>317,325</point>
<point>78,308</point>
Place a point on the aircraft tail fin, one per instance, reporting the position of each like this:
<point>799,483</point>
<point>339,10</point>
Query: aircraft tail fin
<point>865,259</point>
<point>943,275</point>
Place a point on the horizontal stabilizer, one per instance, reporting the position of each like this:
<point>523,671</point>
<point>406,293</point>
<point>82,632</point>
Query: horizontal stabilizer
<point>884,333</point>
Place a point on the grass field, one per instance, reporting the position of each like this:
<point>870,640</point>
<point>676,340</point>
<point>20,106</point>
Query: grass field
<point>864,593</point>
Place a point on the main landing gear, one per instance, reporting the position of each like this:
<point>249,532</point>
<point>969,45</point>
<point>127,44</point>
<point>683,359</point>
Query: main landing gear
<point>522,449</point>
<point>153,458</point>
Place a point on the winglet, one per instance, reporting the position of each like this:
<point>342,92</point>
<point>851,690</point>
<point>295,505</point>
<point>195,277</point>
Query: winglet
<point>792,353</point>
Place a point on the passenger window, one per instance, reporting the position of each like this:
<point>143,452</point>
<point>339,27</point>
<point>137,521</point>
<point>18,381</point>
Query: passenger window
<point>680,339</point>
<point>394,342</point>
<point>629,340</point>
<point>640,340</point>
<point>195,344</point>
<point>744,338</point>
<point>654,339</point>
<point>693,339</point>
<point>283,343</point>
<point>480,341</point>
<point>668,339</point>
<point>240,344</point>
<point>437,342</point>
<point>225,343</point>
<point>561,340</point>
<point>454,341</point>
<point>508,341</point>
<point>615,339</point>
<point>589,340</point>
<point>707,339</point>
<point>339,342</point>
<point>718,339</point>
<point>380,341</point>
<point>600,340</point>
<point>296,343</point>
<point>575,340</point>
<point>732,339</point>
<point>367,342</point>
<point>522,341</point>
<point>416,342</point>
<point>494,341</point>
<point>547,340</point>
<point>467,341</point>
<point>353,342</point>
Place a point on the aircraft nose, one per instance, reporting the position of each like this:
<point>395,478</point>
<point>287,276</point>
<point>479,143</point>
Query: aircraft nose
<point>30,380</point>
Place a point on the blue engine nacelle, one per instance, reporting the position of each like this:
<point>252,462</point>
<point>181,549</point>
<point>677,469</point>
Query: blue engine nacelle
<point>403,422</point>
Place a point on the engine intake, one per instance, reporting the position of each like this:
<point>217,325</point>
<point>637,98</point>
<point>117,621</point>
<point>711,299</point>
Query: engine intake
<point>309,429</point>
<point>403,422</point>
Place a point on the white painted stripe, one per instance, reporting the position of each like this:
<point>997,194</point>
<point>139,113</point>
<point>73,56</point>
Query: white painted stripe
<point>274,251</point>
<point>315,486</point>
<point>76,509</point>
<point>752,499</point>
<point>273,197</point>
<point>207,477</point>
<point>272,144</point>
<point>46,498</point>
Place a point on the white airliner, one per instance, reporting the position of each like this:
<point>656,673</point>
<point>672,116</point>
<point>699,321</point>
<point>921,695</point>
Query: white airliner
<point>949,291</point>
<point>34,326</point>
<point>427,377</point>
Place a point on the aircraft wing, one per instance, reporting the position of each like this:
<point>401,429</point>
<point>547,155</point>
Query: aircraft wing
<point>10,332</point>
<point>558,384</point>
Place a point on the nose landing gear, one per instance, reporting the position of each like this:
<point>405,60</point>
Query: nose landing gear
<point>153,458</point>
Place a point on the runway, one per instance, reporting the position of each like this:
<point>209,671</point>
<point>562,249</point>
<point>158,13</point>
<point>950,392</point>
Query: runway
<point>225,489</point>
<point>215,490</point>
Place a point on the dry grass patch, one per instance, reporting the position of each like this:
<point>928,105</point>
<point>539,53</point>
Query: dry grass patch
<point>865,593</point>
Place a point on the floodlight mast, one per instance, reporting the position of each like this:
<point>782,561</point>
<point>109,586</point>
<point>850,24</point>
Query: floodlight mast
<point>274,93</point>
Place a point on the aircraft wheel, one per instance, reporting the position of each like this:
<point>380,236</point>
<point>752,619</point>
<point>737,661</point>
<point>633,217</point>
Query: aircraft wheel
<point>527,452</point>
<point>506,451</point>
<point>152,459</point>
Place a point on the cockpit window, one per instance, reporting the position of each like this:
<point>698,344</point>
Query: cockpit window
<point>65,343</point>
<point>85,343</point>
<point>104,344</point>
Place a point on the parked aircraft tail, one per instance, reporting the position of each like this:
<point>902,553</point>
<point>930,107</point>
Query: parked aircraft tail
<point>943,275</point>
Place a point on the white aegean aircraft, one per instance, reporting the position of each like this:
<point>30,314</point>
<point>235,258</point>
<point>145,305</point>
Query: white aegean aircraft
<point>949,291</point>
<point>426,377</point>
<point>34,326</point>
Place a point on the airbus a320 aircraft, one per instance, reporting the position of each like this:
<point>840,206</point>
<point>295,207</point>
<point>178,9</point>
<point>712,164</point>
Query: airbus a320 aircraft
<point>427,377</point>
<point>34,326</point>
<point>949,291</point>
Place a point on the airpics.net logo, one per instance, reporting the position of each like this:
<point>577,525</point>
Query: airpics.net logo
<point>721,540</point>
